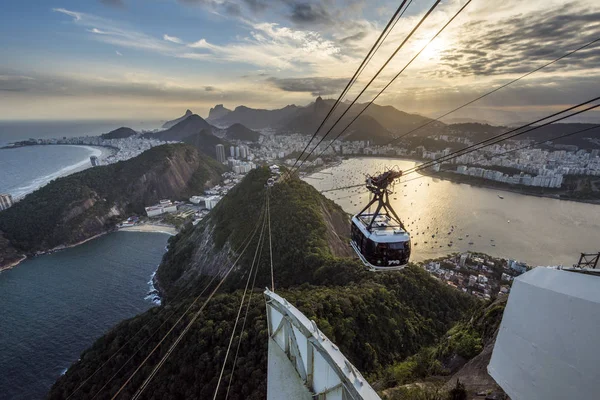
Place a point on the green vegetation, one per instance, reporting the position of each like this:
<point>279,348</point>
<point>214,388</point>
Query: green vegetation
<point>461,343</point>
<point>377,320</point>
<point>78,206</point>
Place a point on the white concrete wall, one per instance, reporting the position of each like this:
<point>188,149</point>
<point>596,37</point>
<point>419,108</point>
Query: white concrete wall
<point>548,346</point>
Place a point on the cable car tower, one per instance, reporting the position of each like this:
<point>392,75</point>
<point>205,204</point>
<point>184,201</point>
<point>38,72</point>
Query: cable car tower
<point>380,239</point>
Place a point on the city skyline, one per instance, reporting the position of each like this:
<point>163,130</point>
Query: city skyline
<point>152,60</point>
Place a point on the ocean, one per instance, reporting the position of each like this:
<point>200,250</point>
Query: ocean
<point>22,170</point>
<point>55,306</point>
<point>25,169</point>
<point>536,230</point>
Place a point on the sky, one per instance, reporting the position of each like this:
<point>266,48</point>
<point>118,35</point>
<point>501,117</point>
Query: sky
<point>153,59</point>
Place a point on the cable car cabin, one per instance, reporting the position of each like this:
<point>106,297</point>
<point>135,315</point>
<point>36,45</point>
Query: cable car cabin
<point>386,247</point>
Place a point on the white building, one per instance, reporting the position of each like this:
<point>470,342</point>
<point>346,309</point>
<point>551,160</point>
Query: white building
<point>6,201</point>
<point>164,206</point>
<point>211,201</point>
<point>197,199</point>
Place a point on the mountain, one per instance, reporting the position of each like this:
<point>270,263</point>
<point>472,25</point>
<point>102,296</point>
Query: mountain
<point>217,112</point>
<point>240,132</point>
<point>77,207</point>
<point>188,126</point>
<point>120,133</point>
<point>376,319</point>
<point>170,124</point>
<point>205,142</point>
<point>368,128</point>
<point>306,119</point>
<point>255,118</point>
<point>585,140</point>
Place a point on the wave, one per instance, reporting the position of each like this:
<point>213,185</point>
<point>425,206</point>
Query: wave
<point>153,294</point>
<point>43,180</point>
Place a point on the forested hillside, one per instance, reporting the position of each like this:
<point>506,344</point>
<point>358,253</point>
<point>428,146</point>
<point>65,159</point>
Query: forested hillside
<point>376,319</point>
<point>81,205</point>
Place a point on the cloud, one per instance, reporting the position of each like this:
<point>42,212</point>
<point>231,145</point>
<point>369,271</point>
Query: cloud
<point>309,13</point>
<point>113,3</point>
<point>172,39</point>
<point>316,86</point>
<point>117,52</point>
<point>518,43</point>
<point>76,16</point>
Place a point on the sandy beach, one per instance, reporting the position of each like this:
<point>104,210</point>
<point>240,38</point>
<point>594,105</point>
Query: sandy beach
<point>169,230</point>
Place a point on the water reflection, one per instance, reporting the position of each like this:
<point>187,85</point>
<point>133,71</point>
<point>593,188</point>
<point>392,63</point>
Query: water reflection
<point>445,217</point>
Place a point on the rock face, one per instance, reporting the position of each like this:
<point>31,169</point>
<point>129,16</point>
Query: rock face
<point>217,112</point>
<point>175,121</point>
<point>79,206</point>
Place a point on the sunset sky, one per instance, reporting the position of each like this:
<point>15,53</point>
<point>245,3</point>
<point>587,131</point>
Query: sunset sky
<point>152,59</point>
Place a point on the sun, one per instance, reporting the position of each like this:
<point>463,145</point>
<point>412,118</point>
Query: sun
<point>433,51</point>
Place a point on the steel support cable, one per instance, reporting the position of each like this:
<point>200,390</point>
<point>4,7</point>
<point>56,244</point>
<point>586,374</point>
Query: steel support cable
<point>395,77</point>
<point>493,140</point>
<point>270,241</point>
<point>179,295</point>
<point>373,78</point>
<point>191,322</point>
<point>174,301</point>
<point>501,137</point>
<point>492,91</point>
<point>237,350</point>
<point>517,149</point>
<point>147,340</point>
<point>239,312</point>
<point>187,310</point>
<point>354,77</point>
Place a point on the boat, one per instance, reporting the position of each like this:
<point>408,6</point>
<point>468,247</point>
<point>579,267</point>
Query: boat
<point>500,197</point>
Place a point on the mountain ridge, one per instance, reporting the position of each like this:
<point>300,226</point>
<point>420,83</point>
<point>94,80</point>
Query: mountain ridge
<point>79,206</point>
<point>173,122</point>
<point>311,271</point>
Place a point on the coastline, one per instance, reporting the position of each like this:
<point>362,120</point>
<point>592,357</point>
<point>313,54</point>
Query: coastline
<point>455,178</point>
<point>13,264</point>
<point>449,176</point>
<point>144,228</point>
<point>149,228</point>
<point>31,186</point>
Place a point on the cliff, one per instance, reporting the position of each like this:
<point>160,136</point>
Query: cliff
<point>376,319</point>
<point>74,208</point>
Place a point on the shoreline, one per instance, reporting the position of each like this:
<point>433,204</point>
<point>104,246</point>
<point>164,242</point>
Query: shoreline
<point>150,228</point>
<point>143,228</point>
<point>13,264</point>
<point>492,186</point>
<point>102,152</point>
<point>458,180</point>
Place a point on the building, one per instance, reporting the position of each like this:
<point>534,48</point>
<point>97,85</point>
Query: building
<point>221,153</point>
<point>243,152</point>
<point>463,259</point>
<point>237,152</point>
<point>211,201</point>
<point>6,201</point>
<point>164,206</point>
<point>232,152</point>
<point>94,160</point>
<point>197,199</point>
